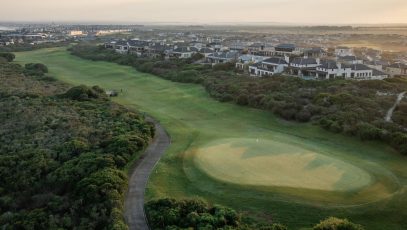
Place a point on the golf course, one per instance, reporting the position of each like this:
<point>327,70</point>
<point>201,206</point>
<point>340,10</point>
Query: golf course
<point>248,159</point>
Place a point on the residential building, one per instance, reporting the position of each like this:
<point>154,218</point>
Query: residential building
<point>286,50</point>
<point>303,67</point>
<point>329,69</point>
<point>261,49</point>
<point>397,69</point>
<point>315,52</point>
<point>268,67</point>
<point>183,52</point>
<point>244,61</point>
<point>223,57</point>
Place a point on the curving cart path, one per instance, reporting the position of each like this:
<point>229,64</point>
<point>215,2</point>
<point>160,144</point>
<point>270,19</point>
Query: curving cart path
<point>134,203</point>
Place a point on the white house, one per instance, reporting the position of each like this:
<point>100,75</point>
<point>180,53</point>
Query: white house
<point>268,67</point>
<point>360,72</point>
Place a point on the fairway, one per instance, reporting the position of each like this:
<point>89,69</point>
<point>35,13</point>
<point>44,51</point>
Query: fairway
<point>248,159</point>
<point>271,163</point>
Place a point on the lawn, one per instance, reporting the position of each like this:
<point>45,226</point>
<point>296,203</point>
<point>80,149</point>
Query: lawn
<point>296,174</point>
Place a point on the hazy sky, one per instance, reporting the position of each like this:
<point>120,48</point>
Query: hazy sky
<point>207,11</point>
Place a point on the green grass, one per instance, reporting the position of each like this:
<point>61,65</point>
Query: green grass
<point>273,163</point>
<point>194,121</point>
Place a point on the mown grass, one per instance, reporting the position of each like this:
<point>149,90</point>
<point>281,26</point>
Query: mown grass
<point>193,119</point>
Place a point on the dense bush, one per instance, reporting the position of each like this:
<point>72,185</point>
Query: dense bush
<point>62,157</point>
<point>83,93</point>
<point>196,214</point>
<point>8,56</point>
<point>35,69</point>
<point>333,223</point>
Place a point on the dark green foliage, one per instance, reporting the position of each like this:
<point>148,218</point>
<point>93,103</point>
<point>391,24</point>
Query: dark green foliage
<point>196,214</point>
<point>35,69</point>
<point>333,223</point>
<point>84,93</point>
<point>354,108</point>
<point>29,46</point>
<point>224,67</point>
<point>61,159</point>
<point>8,56</point>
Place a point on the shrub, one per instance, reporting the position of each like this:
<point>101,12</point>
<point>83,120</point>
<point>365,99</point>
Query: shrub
<point>35,69</point>
<point>8,56</point>
<point>333,223</point>
<point>82,93</point>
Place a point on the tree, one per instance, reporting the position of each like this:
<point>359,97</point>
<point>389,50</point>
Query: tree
<point>8,56</point>
<point>35,69</point>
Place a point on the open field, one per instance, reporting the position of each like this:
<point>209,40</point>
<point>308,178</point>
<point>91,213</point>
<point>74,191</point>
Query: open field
<point>296,174</point>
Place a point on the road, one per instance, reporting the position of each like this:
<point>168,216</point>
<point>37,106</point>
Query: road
<point>134,203</point>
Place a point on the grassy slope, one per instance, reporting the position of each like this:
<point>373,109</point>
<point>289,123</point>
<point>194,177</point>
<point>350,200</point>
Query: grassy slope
<point>194,119</point>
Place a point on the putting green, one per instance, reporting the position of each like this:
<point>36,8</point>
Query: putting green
<point>273,163</point>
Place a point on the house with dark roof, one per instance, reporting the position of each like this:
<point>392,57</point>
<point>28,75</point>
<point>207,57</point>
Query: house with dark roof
<point>217,46</point>
<point>206,51</point>
<point>156,50</point>
<point>137,47</point>
<point>222,57</point>
<point>315,52</point>
<point>268,67</point>
<point>329,69</point>
<point>303,67</point>
<point>243,62</point>
<point>183,52</point>
<point>261,49</point>
<point>397,69</point>
<point>376,64</point>
<point>121,47</point>
<point>286,49</point>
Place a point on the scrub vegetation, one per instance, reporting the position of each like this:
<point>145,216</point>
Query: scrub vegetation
<point>63,152</point>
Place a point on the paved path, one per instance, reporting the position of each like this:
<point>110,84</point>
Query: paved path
<point>391,110</point>
<point>134,203</point>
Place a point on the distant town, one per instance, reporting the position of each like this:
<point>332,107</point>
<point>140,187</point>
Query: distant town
<point>293,51</point>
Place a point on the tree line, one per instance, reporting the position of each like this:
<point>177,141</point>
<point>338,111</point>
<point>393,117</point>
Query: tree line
<point>171,214</point>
